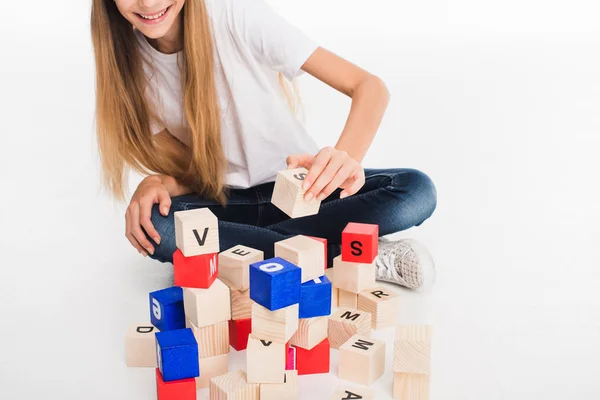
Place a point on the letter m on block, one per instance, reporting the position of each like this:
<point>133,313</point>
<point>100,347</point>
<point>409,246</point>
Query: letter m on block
<point>349,315</point>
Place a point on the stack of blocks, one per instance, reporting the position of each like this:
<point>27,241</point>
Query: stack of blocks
<point>412,362</point>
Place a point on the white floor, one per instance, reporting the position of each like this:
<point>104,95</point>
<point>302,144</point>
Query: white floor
<point>507,126</point>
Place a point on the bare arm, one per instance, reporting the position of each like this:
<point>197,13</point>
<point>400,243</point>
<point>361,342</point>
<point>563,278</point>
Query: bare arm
<point>171,150</point>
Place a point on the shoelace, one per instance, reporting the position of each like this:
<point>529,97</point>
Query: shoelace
<point>386,263</point>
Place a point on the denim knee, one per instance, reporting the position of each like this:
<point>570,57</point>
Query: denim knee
<point>165,226</point>
<point>423,192</point>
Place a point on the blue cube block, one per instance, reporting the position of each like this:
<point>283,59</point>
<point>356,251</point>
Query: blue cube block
<point>275,283</point>
<point>177,355</point>
<point>166,309</point>
<point>315,298</point>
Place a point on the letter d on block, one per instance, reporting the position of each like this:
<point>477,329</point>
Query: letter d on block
<point>275,283</point>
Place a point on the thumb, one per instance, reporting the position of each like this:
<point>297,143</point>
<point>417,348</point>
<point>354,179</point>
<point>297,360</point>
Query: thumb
<point>164,201</point>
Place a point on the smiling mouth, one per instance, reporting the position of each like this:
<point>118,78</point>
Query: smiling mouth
<point>154,17</point>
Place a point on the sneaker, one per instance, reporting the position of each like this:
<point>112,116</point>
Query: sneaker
<point>405,262</point>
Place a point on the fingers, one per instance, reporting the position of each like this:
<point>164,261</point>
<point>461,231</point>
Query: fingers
<point>300,160</point>
<point>342,175</point>
<point>145,214</point>
<point>359,181</point>
<point>129,234</point>
<point>136,229</point>
<point>319,164</point>
<point>327,177</point>
<point>164,202</point>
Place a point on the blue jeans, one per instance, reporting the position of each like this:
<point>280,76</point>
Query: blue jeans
<point>394,199</point>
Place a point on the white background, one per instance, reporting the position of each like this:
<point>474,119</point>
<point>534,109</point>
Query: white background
<point>498,101</point>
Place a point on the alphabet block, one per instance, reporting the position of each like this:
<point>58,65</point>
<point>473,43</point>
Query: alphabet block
<point>362,360</point>
<point>324,241</point>
<point>211,367</point>
<point>196,232</point>
<point>315,360</point>
<point>206,307</point>
<point>335,292</point>
<point>347,299</point>
<point>411,386</point>
<point>195,271</point>
<point>288,194</point>
<point>304,252</point>
<point>166,309</point>
<point>311,332</point>
<point>275,283</point>
<point>140,348</point>
<point>345,323</point>
<point>233,386</point>
<point>265,361</point>
<point>290,361</point>
<point>382,304</point>
<point>184,389</point>
<point>288,390</point>
<point>177,355</point>
<point>241,304</point>
<point>353,277</point>
<point>234,266</point>
<point>278,326</point>
<point>353,394</point>
<point>315,298</point>
<point>213,340</point>
<point>412,349</point>
<point>360,243</point>
<point>239,330</point>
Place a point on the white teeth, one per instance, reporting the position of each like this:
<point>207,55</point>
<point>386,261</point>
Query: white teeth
<point>153,17</point>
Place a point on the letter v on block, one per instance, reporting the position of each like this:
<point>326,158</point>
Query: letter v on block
<point>196,232</point>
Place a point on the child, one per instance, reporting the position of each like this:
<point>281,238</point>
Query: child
<point>194,93</point>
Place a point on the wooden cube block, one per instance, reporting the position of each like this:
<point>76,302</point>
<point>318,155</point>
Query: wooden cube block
<point>315,298</point>
<point>411,386</point>
<point>140,346</point>
<point>184,389</point>
<point>345,323</point>
<point>239,330</point>
<point>196,232</point>
<point>195,271</point>
<point>288,194</point>
<point>353,277</point>
<point>304,252</point>
<point>213,340</point>
<point>335,292</point>
<point>278,326</point>
<point>241,304</point>
<point>315,360</point>
<point>362,360</point>
<point>177,355</point>
<point>311,332</point>
<point>233,386</point>
<point>347,299</point>
<point>360,243</point>
<point>234,266</point>
<point>211,367</point>
<point>324,241</point>
<point>265,361</point>
<point>166,309</point>
<point>382,304</point>
<point>288,390</point>
<point>206,307</point>
<point>412,349</point>
<point>275,283</point>
<point>353,393</point>
<point>290,361</point>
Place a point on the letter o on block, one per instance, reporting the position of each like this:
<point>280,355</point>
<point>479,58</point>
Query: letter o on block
<point>275,283</point>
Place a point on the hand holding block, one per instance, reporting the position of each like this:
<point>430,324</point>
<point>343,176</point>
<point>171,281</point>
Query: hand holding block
<point>288,194</point>
<point>382,304</point>
<point>166,309</point>
<point>241,304</point>
<point>411,386</point>
<point>345,323</point>
<point>335,294</point>
<point>304,252</point>
<point>140,349</point>
<point>233,386</point>
<point>234,266</point>
<point>265,361</point>
<point>195,271</point>
<point>412,349</point>
<point>288,390</point>
<point>206,307</point>
<point>196,232</point>
<point>360,243</point>
<point>353,277</point>
<point>239,330</point>
<point>311,332</point>
<point>213,340</point>
<point>353,394</point>
<point>315,298</point>
<point>278,326</point>
<point>177,355</point>
<point>362,360</point>
<point>211,367</point>
<point>347,299</point>
<point>275,283</point>
<point>184,389</point>
<point>315,360</point>
<point>324,241</point>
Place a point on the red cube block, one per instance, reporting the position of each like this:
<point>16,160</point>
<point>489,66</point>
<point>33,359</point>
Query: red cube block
<point>290,357</point>
<point>360,242</point>
<point>197,271</point>
<point>184,389</point>
<point>314,361</point>
<point>239,330</point>
<point>324,241</point>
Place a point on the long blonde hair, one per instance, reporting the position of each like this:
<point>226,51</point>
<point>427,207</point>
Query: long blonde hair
<point>123,114</point>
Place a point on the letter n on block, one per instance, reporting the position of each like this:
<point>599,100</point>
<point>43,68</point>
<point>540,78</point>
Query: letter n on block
<point>288,194</point>
<point>196,232</point>
<point>360,242</point>
<point>275,283</point>
<point>166,309</point>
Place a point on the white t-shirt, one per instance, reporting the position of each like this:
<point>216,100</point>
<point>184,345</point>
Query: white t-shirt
<point>252,43</point>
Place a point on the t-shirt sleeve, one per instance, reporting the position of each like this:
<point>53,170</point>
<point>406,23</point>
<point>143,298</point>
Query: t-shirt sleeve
<point>272,39</point>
